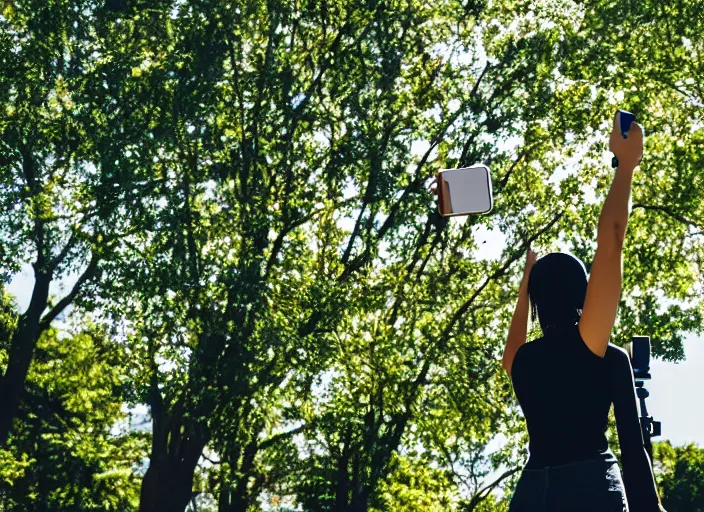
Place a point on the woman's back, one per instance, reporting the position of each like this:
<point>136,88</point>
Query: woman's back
<point>564,390</point>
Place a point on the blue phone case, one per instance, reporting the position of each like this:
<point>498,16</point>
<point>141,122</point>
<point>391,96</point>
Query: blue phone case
<point>626,119</point>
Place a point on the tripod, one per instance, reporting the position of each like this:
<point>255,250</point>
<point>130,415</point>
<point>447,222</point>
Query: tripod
<point>649,427</point>
<point>639,350</point>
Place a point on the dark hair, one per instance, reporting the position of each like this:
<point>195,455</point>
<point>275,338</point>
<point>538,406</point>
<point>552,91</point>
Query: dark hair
<point>557,287</point>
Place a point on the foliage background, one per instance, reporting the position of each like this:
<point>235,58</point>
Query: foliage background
<point>237,195</point>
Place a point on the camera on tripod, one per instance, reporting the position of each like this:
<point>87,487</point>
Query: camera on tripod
<point>639,352</point>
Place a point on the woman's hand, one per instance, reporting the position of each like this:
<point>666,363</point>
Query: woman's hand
<point>531,257</point>
<point>628,151</point>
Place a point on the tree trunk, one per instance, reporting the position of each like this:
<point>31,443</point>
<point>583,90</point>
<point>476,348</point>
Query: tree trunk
<point>343,480</point>
<point>166,487</point>
<point>360,502</point>
<point>20,357</point>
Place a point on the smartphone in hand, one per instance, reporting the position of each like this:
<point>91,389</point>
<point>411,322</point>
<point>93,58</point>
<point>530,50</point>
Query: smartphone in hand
<point>624,120</point>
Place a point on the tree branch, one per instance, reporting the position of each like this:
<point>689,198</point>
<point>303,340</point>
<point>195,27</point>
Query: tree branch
<point>29,171</point>
<point>503,182</point>
<point>499,273</point>
<point>284,435</point>
<point>672,214</point>
<point>88,274</point>
<point>278,243</point>
<point>478,497</point>
<point>64,252</point>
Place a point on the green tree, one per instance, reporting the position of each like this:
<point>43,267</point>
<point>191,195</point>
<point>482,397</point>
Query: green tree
<point>68,451</point>
<point>60,187</point>
<point>242,274</point>
<point>434,373</point>
<point>231,292</point>
<point>680,476</point>
<point>248,197</point>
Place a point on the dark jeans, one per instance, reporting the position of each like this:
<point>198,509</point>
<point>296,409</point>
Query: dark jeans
<point>588,486</point>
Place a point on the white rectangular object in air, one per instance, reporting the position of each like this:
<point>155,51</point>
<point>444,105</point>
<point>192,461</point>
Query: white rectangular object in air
<point>470,190</point>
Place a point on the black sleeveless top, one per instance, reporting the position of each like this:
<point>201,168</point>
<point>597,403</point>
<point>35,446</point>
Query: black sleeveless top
<point>566,392</point>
